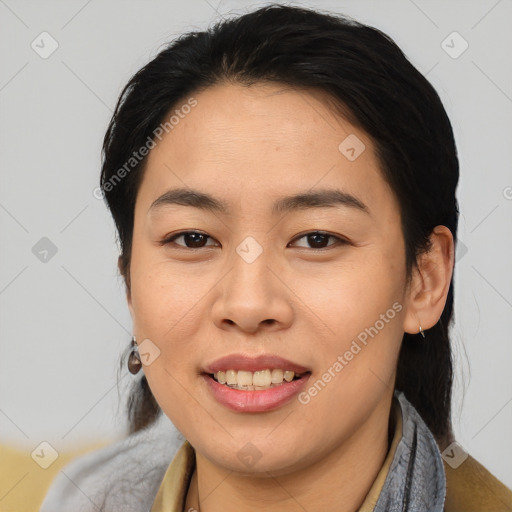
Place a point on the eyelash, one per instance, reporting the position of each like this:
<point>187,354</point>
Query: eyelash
<point>339,241</point>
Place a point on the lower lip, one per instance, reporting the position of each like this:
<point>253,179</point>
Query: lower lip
<point>258,400</point>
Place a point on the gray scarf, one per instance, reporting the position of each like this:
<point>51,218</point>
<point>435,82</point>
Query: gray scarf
<point>127,475</point>
<point>416,480</point>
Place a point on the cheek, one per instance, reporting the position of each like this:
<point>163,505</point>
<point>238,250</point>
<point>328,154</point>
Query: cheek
<point>168,305</point>
<point>353,294</point>
<point>164,312</point>
<point>164,296</point>
<point>361,310</point>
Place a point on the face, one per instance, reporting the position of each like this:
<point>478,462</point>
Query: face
<point>315,286</point>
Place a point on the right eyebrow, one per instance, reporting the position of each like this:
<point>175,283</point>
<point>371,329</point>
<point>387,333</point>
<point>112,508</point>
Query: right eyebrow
<point>193,198</point>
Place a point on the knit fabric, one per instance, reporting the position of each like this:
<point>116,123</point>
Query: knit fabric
<point>124,476</point>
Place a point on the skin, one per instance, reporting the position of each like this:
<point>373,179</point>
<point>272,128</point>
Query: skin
<point>250,146</point>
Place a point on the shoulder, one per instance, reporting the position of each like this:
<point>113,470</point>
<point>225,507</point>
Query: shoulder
<point>123,476</point>
<point>471,487</point>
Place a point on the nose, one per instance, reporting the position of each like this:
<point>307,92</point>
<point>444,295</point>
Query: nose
<point>253,297</point>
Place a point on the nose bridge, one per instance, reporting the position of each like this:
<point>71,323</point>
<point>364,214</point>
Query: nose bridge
<point>251,279</point>
<point>252,295</point>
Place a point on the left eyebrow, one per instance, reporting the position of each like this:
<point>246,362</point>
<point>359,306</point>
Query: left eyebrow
<point>323,198</point>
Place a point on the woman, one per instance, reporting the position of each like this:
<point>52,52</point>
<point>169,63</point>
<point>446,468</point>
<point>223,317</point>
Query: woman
<point>283,186</point>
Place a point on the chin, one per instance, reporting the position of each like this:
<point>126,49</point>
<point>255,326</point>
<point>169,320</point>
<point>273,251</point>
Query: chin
<point>254,458</point>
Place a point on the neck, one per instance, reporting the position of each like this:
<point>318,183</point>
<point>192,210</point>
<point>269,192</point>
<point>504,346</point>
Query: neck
<point>344,476</point>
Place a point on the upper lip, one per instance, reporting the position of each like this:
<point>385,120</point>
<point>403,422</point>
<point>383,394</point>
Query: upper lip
<point>253,364</point>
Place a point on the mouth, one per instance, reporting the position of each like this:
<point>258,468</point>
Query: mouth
<point>232,388</point>
<point>260,380</point>
<point>254,384</point>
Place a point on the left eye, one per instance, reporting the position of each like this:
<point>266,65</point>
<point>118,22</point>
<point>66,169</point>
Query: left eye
<point>195,239</point>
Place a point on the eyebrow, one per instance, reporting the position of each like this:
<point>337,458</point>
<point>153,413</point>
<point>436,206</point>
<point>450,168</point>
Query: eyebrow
<point>322,198</point>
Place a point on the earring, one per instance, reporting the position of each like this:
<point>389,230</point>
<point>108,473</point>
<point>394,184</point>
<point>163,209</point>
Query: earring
<point>134,362</point>
<point>421,332</point>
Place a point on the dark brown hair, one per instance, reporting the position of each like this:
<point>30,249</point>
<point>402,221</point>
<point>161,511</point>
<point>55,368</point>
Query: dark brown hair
<point>369,80</point>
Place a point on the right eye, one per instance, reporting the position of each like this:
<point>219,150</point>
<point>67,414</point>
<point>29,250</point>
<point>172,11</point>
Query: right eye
<point>192,239</point>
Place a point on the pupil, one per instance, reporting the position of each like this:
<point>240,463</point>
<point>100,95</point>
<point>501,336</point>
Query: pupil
<point>316,238</point>
<point>196,238</point>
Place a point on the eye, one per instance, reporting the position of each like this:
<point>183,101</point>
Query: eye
<point>318,238</point>
<point>192,239</point>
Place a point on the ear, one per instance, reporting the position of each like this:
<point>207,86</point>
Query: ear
<point>126,283</point>
<point>430,282</point>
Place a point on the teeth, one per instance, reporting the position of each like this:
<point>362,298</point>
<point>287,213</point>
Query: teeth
<point>288,375</point>
<point>244,378</point>
<point>231,377</point>
<point>259,380</point>
<point>277,376</point>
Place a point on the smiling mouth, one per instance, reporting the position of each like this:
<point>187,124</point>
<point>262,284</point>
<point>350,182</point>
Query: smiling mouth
<point>255,381</point>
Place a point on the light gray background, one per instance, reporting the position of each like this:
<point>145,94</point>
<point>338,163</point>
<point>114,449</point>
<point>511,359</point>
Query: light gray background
<point>64,322</point>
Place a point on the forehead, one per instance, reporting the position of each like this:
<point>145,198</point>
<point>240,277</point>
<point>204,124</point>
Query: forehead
<point>261,142</point>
